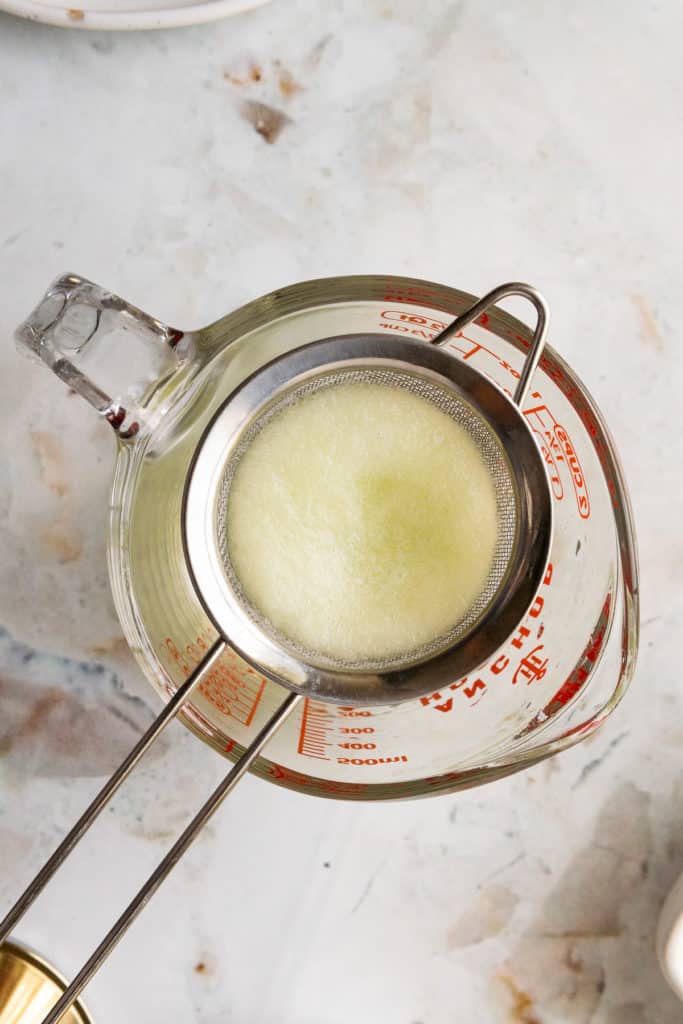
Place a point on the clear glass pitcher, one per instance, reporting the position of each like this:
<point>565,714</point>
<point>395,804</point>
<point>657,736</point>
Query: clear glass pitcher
<point>558,676</point>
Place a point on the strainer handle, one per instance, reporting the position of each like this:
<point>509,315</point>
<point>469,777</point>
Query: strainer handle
<point>109,352</point>
<point>504,291</point>
<point>102,799</point>
<point>97,805</point>
<point>146,892</point>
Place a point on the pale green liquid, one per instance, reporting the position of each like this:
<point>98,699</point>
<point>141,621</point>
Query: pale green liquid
<point>362,522</point>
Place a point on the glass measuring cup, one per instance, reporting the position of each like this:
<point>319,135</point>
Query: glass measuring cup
<point>559,674</point>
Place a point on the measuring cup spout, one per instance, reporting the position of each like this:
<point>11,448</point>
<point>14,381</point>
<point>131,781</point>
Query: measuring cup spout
<point>110,353</point>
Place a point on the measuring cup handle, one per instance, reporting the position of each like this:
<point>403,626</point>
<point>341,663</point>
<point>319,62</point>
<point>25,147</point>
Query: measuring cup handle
<point>109,352</point>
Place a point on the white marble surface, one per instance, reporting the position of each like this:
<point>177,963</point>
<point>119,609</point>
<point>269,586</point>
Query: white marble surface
<point>464,142</point>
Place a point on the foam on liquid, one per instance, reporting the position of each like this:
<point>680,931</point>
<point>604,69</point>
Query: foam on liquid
<point>362,521</point>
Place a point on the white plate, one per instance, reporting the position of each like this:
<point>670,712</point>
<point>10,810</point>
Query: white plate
<point>670,938</point>
<point>126,14</point>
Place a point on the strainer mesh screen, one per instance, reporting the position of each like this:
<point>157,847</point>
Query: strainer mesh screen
<point>492,454</point>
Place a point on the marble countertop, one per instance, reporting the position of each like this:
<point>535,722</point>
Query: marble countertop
<point>464,142</point>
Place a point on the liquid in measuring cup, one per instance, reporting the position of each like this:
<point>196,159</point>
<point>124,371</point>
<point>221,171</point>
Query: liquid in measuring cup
<point>362,522</point>
<point>537,684</point>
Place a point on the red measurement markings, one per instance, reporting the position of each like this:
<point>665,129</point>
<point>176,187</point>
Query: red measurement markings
<point>419,326</point>
<point>552,438</point>
<point>397,759</point>
<point>235,693</point>
<point>411,323</point>
<point>551,466</point>
<point>468,348</point>
<point>233,687</point>
<point>588,417</point>
<point>287,776</point>
<point>427,327</point>
<point>579,674</point>
<point>528,669</point>
<point>558,444</point>
<point>412,295</point>
<point>316,723</point>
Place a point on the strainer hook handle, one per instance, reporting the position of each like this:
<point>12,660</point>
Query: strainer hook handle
<point>504,291</point>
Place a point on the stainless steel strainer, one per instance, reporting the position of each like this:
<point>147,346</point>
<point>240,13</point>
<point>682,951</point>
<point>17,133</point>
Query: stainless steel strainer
<point>506,447</point>
<point>505,443</point>
<point>391,372</point>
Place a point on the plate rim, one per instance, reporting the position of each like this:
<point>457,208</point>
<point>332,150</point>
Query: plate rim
<point>174,17</point>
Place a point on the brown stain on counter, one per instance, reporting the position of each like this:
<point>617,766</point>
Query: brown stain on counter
<point>48,453</point>
<point>50,732</point>
<point>580,929</point>
<point>521,1011</point>
<point>267,121</point>
<point>252,74</point>
<point>286,81</point>
<point>205,966</point>
<point>649,328</point>
<point>75,13</point>
<point>37,715</point>
<point>60,538</point>
<point>487,915</point>
<point>115,645</point>
<point>65,545</point>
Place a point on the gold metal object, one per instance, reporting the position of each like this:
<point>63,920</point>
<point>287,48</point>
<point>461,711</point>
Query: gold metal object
<point>30,987</point>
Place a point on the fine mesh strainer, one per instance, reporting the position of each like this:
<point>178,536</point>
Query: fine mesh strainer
<point>491,419</point>
<point>389,373</point>
<point>506,447</point>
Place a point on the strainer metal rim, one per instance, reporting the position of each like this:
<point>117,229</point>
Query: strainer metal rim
<point>510,603</point>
